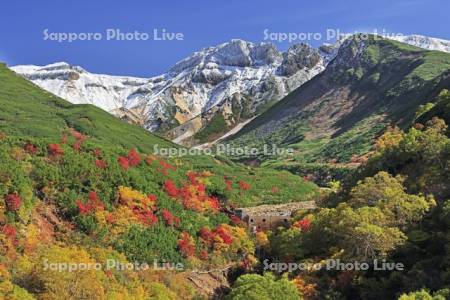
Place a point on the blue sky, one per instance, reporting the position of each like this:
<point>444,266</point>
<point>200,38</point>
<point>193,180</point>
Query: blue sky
<point>203,23</point>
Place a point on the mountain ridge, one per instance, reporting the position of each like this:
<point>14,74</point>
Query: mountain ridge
<point>191,87</point>
<point>226,85</point>
<point>369,85</point>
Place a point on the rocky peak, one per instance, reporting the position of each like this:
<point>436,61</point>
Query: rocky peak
<point>236,53</point>
<point>298,57</point>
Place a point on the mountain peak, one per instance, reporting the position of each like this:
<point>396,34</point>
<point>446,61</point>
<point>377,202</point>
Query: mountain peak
<point>234,53</point>
<point>54,67</point>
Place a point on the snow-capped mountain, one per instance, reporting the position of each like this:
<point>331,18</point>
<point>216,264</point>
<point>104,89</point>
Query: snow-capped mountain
<point>424,42</point>
<point>78,86</point>
<point>212,81</point>
<point>205,95</point>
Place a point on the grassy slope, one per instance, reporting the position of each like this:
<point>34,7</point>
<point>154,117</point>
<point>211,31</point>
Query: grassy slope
<point>268,186</point>
<point>28,110</point>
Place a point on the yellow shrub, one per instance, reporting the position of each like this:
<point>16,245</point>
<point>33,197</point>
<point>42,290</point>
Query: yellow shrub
<point>128,195</point>
<point>65,284</point>
<point>261,239</point>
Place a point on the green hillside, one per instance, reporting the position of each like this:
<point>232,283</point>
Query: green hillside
<point>27,110</point>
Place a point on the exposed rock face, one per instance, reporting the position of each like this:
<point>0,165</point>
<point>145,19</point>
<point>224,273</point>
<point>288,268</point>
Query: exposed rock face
<point>213,284</point>
<point>297,58</point>
<point>270,217</point>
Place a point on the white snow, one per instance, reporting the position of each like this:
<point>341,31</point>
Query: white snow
<point>80,87</point>
<point>424,42</point>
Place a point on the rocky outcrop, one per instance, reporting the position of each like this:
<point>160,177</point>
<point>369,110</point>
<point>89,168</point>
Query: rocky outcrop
<point>299,57</point>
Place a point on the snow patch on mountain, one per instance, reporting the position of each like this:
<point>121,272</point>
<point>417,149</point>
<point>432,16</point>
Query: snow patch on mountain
<point>424,42</point>
<point>78,86</point>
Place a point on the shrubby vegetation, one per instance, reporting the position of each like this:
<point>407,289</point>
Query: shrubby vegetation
<point>256,287</point>
<point>395,208</point>
<point>72,201</point>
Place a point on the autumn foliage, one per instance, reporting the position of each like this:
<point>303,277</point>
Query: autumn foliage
<point>244,185</point>
<point>133,159</point>
<point>215,238</point>
<point>165,167</point>
<point>30,148</point>
<point>123,162</point>
<point>228,185</point>
<point>193,193</point>
<point>142,206</point>
<point>170,188</point>
<point>101,164</point>
<point>55,150</point>
<point>186,245</point>
<point>303,224</point>
<point>93,204</point>
<point>13,202</point>
<point>169,219</point>
<point>10,231</point>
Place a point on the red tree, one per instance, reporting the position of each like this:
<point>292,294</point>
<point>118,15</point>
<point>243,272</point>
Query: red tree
<point>92,205</point>
<point>77,146</point>
<point>204,255</point>
<point>303,224</point>
<point>97,152</point>
<point>123,162</point>
<point>192,176</point>
<point>77,135</point>
<point>13,202</point>
<point>146,217</point>
<point>10,231</point>
<point>186,245</point>
<point>30,148</point>
<point>134,158</point>
<point>224,235</point>
<point>101,164</point>
<point>55,150</point>
<point>169,219</point>
<point>229,185</point>
<point>170,188</point>
<point>244,185</point>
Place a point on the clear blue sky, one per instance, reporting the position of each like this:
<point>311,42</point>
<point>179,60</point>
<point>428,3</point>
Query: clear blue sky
<point>203,23</point>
